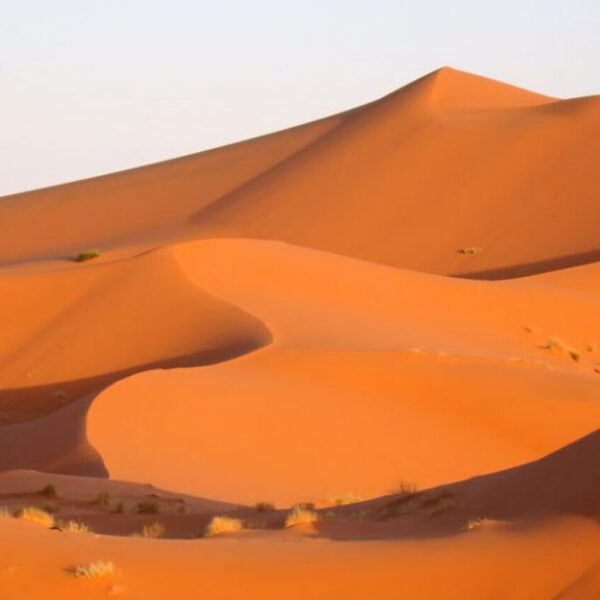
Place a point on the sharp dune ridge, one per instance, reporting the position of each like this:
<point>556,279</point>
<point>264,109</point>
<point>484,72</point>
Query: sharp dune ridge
<point>386,318</point>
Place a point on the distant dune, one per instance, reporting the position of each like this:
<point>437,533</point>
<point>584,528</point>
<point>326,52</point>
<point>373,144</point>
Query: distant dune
<point>389,315</point>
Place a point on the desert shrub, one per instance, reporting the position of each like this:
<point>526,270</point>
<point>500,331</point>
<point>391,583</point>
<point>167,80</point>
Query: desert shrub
<point>469,251</point>
<point>36,515</point>
<point>147,507</point>
<point>153,530</point>
<point>475,523</point>
<point>93,570</point>
<point>300,516</point>
<point>264,506</point>
<point>86,255</point>
<point>222,525</point>
<point>75,527</point>
<point>343,499</point>
<point>304,506</point>
<point>403,488</point>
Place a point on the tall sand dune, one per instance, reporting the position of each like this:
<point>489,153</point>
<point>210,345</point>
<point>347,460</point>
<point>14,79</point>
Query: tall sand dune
<point>389,316</point>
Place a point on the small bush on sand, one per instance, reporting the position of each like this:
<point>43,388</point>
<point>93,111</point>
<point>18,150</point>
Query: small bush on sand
<point>74,527</point>
<point>300,516</point>
<point>153,530</point>
<point>343,499</point>
<point>304,505</point>
<point>403,488</point>
<point>93,570</point>
<point>36,515</point>
<point>147,507</point>
<point>475,523</point>
<point>469,251</point>
<point>48,491</point>
<point>87,255</point>
<point>264,506</point>
<point>223,525</point>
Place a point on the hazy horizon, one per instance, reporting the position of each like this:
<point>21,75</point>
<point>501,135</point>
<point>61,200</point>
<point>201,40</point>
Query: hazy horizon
<point>90,90</point>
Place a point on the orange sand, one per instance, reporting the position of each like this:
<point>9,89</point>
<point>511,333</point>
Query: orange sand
<point>300,316</point>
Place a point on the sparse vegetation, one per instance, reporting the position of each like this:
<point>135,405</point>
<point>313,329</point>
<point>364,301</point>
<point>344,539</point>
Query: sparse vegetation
<point>75,527</point>
<point>557,344</point>
<point>48,491</point>
<point>93,570</point>
<point>36,515</point>
<point>403,488</point>
<point>475,523</point>
<point>469,251</point>
<point>343,499</point>
<point>304,506</point>
<point>86,255</point>
<point>223,525</point>
<point>147,507</point>
<point>592,347</point>
<point>264,506</point>
<point>301,516</point>
<point>153,530</point>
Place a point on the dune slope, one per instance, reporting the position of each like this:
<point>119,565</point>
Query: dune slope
<point>390,313</point>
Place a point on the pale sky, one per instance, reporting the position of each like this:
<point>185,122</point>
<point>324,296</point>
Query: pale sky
<point>92,86</point>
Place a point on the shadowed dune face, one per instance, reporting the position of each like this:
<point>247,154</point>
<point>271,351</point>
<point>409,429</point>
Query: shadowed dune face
<point>309,317</point>
<point>70,332</point>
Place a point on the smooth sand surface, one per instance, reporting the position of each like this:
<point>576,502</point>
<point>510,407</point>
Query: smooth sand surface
<point>394,309</point>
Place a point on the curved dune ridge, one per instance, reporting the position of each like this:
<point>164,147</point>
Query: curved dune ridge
<point>309,317</point>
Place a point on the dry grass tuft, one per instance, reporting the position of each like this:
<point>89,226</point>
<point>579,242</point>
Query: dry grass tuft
<point>403,488</point>
<point>153,530</point>
<point>93,570</point>
<point>75,527</point>
<point>469,251</point>
<point>264,506</point>
<point>36,515</point>
<point>301,516</point>
<point>343,499</point>
<point>556,343</point>
<point>223,525</point>
<point>478,523</point>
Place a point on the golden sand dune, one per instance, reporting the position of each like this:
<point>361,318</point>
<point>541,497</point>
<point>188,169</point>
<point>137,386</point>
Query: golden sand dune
<point>309,317</point>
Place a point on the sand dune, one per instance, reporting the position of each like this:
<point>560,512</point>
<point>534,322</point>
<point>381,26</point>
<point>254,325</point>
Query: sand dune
<point>311,316</point>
